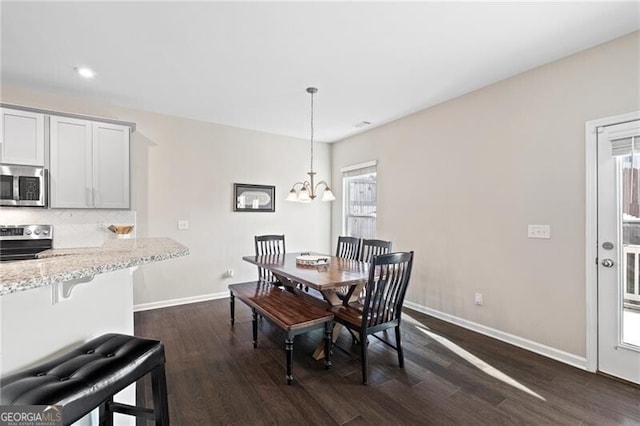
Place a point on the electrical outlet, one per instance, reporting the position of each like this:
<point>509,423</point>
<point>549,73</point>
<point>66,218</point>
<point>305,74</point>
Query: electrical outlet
<point>183,224</point>
<point>229,273</point>
<point>478,300</point>
<point>102,225</point>
<point>539,231</point>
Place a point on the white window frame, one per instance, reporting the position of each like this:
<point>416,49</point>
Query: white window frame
<point>345,191</point>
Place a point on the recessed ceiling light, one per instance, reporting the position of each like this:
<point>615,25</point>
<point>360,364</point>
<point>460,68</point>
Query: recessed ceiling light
<point>85,72</point>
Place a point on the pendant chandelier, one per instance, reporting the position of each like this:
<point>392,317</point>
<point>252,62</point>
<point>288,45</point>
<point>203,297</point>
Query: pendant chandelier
<point>306,191</point>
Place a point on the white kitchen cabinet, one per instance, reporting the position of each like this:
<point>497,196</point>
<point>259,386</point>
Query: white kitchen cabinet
<point>22,134</point>
<point>89,165</point>
<point>110,166</point>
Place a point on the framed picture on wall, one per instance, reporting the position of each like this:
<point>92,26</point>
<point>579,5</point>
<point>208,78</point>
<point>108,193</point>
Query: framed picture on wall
<point>254,198</point>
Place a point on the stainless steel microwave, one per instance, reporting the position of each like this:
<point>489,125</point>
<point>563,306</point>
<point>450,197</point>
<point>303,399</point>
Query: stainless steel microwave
<point>23,186</point>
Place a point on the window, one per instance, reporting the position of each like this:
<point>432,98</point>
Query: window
<point>360,200</point>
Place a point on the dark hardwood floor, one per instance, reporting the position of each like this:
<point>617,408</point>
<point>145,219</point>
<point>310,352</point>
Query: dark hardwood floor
<point>453,376</point>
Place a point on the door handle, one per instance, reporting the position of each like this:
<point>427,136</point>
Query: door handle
<point>607,263</point>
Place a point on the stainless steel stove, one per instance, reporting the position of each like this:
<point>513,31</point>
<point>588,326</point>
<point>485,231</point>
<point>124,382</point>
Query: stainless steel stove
<point>22,242</point>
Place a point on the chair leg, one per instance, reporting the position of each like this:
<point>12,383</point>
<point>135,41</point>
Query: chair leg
<point>328,341</point>
<point>254,324</point>
<point>288,345</point>
<point>232,307</point>
<point>365,365</point>
<point>399,347</point>
<point>160,401</point>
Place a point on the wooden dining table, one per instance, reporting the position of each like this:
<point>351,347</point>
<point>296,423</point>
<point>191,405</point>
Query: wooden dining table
<point>329,279</point>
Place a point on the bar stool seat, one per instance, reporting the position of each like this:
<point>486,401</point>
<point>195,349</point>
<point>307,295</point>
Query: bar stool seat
<point>87,377</point>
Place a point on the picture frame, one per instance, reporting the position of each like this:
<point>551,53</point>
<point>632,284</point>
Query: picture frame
<point>254,198</point>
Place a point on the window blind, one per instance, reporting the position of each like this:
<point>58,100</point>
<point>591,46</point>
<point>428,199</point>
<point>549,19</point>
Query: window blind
<point>625,146</point>
<point>359,169</point>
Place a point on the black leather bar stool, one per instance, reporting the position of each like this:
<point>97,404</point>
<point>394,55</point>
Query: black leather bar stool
<point>89,376</point>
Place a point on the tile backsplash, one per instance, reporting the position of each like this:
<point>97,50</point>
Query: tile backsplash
<point>71,227</point>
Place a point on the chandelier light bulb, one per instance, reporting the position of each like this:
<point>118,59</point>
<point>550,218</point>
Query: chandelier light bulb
<point>328,195</point>
<point>293,195</point>
<point>304,196</point>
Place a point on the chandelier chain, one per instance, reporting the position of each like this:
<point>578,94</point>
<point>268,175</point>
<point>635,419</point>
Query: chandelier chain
<point>311,167</point>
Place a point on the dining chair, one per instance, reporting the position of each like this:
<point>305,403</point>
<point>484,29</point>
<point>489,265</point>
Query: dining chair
<point>372,248</point>
<point>348,248</point>
<point>266,245</point>
<point>389,276</point>
<point>368,249</point>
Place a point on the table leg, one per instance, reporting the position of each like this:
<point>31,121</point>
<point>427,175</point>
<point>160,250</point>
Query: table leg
<point>332,298</point>
<point>286,282</point>
<point>319,352</point>
<point>355,294</point>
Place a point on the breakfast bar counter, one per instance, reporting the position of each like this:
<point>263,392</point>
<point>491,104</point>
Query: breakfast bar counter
<point>59,265</point>
<point>66,297</point>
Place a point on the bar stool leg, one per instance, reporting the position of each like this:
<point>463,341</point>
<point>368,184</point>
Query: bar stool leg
<point>160,400</point>
<point>105,413</point>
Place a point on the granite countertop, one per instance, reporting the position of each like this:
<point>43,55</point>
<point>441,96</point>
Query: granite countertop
<point>58,265</point>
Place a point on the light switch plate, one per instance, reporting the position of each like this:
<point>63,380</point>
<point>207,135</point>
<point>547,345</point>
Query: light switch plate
<point>539,231</point>
<point>183,224</point>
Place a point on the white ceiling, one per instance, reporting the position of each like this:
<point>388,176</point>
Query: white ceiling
<point>247,64</point>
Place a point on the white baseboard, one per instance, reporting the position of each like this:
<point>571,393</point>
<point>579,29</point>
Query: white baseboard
<point>557,354</point>
<point>553,353</point>
<point>181,301</point>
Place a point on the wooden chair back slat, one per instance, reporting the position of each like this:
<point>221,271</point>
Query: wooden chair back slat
<point>372,248</point>
<point>268,245</point>
<point>348,248</point>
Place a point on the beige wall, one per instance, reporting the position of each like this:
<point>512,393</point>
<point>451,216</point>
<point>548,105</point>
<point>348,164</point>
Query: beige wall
<point>460,182</point>
<point>185,169</point>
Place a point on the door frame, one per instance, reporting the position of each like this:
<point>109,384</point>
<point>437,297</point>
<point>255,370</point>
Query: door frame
<point>591,231</point>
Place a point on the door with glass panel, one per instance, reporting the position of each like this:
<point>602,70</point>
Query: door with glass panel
<point>619,250</point>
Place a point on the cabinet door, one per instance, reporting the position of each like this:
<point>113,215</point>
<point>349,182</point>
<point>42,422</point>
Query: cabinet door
<point>22,134</point>
<point>110,166</point>
<point>70,168</point>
